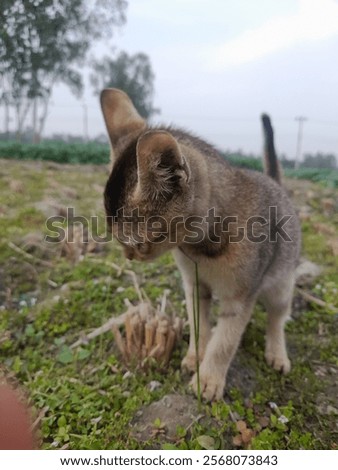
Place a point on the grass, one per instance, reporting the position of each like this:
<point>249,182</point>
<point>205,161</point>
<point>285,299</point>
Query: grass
<point>325,176</point>
<point>87,398</point>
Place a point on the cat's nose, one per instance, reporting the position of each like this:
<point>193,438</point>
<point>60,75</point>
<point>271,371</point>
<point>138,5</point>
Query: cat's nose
<point>130,255</point>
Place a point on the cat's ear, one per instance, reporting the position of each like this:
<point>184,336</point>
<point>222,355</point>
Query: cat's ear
<point>162,169</point>
<point>120,115</point>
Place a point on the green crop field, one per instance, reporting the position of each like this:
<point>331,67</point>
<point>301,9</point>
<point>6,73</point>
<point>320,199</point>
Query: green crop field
<point>59,152</point>
<point>325,176</point>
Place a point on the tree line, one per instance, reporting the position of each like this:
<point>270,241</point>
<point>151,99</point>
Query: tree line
<point>310,160</point>
<point>47,42</point>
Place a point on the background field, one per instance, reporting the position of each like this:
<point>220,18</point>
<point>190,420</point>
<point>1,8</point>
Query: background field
<point>86,398</point>
<point>98,153</point>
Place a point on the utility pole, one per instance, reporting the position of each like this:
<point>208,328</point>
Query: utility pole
<point>35,120</point>
<point>7,118</point>
<point>85,122</point>
<point>301,120</point>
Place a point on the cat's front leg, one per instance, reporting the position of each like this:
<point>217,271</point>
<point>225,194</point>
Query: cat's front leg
<point>221,348</point>
<point>189,361</point>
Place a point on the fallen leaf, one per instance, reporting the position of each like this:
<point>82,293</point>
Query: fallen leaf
<point>241,426</point>
<point>247,435</point>
<point>207,442</point>
<point>65,355</point>
<point>237,440</point>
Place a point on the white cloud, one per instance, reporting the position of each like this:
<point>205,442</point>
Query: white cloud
<point>315,20</point>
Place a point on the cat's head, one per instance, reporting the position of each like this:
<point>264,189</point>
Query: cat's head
<point>148,194</point>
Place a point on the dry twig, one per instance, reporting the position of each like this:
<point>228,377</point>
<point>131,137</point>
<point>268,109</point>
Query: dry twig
<point>310,298</point>
<point>28,255</point>
<point>107,326</point>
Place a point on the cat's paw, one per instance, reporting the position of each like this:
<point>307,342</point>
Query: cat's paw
<point>280,362</point>
<point>211,385</point>
<point>189,362</point>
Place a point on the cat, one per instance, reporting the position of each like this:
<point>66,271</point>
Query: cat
<point>169,190</point>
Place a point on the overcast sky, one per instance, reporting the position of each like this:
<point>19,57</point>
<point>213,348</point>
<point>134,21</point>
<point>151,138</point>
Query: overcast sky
<point>220,63</point>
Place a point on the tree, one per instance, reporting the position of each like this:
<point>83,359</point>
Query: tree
<point>320,160</point>
<point>42,42</point>
<point>131,73</point>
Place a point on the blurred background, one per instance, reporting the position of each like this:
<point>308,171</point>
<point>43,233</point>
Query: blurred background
<point>211,67</point>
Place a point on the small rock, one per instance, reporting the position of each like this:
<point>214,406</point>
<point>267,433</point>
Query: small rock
<point>65,288</point>
<point>96,420</point>
<point>283,419</point>
<point>127,375</point>
<point>325,409</point>
<point>154,385</point>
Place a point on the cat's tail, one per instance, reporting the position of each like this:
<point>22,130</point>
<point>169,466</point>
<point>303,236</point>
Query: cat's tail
<point>271,165</point>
